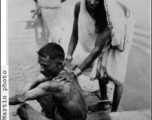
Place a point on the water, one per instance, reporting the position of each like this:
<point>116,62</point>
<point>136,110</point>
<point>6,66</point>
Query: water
<point>26,36</point>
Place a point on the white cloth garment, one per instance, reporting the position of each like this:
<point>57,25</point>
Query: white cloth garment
<point>114,56</point>
<point>61,34</point>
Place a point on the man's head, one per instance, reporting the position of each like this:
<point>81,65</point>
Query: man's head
<point>51,59</point>
<point>96,9</point>
<point>91,5</point>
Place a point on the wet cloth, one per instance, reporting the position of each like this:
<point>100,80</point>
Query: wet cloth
<point>114,56</point>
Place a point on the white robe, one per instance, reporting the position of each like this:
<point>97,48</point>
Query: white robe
<point>61,34</point>
<point>112,61</point>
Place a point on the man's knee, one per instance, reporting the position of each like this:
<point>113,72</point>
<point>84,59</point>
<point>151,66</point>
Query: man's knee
<point>22,111</point>
<point>26,112</point>
<point>23,107</point>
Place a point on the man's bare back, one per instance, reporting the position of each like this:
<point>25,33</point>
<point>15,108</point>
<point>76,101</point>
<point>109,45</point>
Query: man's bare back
<point>69,103</point>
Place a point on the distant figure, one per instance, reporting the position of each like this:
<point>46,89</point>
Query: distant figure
<point>37,12</point>
<point>49,10</point>
<point>60,100</point>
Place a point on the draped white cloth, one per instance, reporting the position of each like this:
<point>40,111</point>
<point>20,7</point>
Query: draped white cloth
<point>62,33</point>
<point>114,56</point>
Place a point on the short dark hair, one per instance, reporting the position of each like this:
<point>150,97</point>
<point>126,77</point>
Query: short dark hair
<point>52,50</point>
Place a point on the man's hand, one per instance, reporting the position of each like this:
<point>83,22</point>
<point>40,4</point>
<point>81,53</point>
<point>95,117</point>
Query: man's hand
<point>65,76</point>
<point>14,100</point>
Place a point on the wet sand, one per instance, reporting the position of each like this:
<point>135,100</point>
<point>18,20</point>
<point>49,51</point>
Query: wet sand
<point>25,37</point>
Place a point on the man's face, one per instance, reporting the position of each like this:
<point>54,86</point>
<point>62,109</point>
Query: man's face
<point>92,4</point>
<point>49,68</point>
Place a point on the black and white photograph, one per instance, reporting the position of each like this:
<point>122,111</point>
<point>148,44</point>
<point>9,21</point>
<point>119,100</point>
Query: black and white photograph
<point>79,59</point>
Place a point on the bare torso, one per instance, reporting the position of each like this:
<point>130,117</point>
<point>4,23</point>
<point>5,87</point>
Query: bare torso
<point>70,103</point>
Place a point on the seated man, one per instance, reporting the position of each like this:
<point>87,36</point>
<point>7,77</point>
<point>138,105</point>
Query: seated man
<point>69,103</point>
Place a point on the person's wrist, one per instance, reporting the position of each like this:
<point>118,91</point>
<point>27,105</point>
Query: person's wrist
<point>67,63</point>
<point>69,58</point>
<point>76,71</point>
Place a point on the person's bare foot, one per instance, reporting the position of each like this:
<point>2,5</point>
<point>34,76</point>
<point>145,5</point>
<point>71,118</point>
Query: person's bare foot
<point>100,106</point>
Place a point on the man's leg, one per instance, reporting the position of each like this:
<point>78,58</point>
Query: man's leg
<point>48,106</point>
<point>103,105</point>
<point>117,97</point>
<point>26,112</point>
<point>103,88</point>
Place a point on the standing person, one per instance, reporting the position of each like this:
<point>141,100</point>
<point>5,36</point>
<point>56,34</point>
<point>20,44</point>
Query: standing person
<point>65,102</point>
<point>104,29</point>
<point>37,12</point>
<point>50,10</point>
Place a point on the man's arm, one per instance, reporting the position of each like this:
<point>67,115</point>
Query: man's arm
<point>46,88</point>
<point>34,83</point>
<point>74,37</point>
<point>100,42</point>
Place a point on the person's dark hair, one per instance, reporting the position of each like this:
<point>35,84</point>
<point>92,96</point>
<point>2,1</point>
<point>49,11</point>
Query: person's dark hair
<point>101,18</point>
<point>52,50</point>
<point>63,0</point>
<point>99,14</point>
<point>35,1</point>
